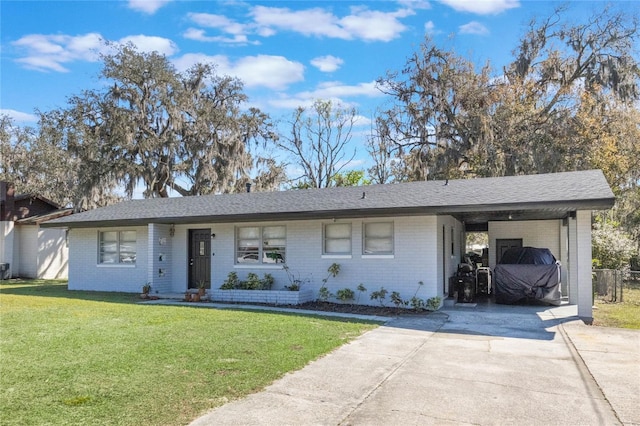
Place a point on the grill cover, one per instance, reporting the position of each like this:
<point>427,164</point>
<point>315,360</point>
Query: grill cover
<point>528,275</point>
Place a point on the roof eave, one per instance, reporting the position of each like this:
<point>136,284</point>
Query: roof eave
<point>591,204</point>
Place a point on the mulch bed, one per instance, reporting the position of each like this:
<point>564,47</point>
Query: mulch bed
<point>382,311</point>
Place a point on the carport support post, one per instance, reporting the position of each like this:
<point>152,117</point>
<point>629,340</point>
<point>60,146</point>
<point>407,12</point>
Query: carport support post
<point>585,287</point>
<point>573,259</point>
<point>6,246</point>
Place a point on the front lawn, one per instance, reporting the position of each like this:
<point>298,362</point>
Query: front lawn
<point>69,357</point>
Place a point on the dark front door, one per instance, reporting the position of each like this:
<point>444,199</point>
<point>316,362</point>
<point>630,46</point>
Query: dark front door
<point>506,244</point>
<point>199,257</point>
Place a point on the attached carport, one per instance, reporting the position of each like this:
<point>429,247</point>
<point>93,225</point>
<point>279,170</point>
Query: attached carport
<point>581,194</point>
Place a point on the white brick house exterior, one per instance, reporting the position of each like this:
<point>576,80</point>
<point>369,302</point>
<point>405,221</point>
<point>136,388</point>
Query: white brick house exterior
<point>416,258</point>
<point>427,221</point>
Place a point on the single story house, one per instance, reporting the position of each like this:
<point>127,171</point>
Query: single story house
<point>392,236</point>
<point>26,249</point>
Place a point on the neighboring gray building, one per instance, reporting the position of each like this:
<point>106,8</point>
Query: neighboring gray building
<point>392,236</point>
<point>26,249</point>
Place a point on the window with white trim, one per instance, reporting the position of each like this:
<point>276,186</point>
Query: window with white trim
<point>261,244</point>
<point>117,247</point>
<point>377,238</point>
<point>337,239</point>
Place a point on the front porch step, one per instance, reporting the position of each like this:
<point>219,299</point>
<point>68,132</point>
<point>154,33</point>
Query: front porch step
<point>450,302</point>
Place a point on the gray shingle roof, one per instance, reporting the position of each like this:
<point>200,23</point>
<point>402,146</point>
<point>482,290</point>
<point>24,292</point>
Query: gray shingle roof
<point>543,196</point>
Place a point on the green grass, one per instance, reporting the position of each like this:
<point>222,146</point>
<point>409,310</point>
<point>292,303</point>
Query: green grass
<point>70,357</point>
<point>625,314</point>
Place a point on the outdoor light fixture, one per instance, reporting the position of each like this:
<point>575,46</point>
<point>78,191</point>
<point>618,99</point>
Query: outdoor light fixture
<point>213,235</point>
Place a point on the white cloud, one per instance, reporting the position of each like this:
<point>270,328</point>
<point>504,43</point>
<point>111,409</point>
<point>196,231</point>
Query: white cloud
<point>337,89</point>
<point>362,23</point>
<point>273,72</point>
<point>197,34</point>
<point>415,4</point>
<point>18,116</point>
<point>147,6</point>
<point>323,22</point>
<point>225,24</point>
<point>290,102</point>
<point>482,7</point>
<point>238,33</point>
<point>473,27</point>
<point>151,44</point>
<point>354,164</point>
<point>375,25</point>
<point>333,91</point>
<point>42,63</point>
<point>327,63</point>
<point>430,28</point>
<point>361,121</point>
<point>200,35</point>
<point>51,52</point>
<point>186,61</point>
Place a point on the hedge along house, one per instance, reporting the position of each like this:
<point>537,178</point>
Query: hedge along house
<point>392,236</point>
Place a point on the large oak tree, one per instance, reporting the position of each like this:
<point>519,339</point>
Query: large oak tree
<point>147,125</point>
<point>452,120</point>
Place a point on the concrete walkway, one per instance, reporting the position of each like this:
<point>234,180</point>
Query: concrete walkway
<point>482,365</point>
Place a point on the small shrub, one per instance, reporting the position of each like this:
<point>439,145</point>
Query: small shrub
<point>334,269</point>
<point>361,289</point>
<point>416,303</point>
<point>295,286</point>
<point>295,282</point>
<point>324,294</point>
<point>253,282</point>
<point>267,282</point>
<point>345,294</point>
<point>231,282</point>
<point>433,303</point>
<point>379,295</point>
<point>397,300</point>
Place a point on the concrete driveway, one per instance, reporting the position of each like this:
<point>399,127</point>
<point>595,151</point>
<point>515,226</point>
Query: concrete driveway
<point>482,365</point>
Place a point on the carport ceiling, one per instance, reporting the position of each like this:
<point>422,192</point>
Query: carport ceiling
<point>478,220</point>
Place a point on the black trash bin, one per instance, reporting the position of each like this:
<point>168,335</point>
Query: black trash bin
<point>4,271</point>
<point>466,289</point>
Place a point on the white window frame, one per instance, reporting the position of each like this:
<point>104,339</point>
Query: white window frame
<point>325,239</point>
<point>262,247</point>
<point>118,252</point>
<point>390,238</point>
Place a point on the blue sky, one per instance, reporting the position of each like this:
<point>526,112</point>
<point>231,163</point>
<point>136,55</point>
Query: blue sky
<point>288,53</point>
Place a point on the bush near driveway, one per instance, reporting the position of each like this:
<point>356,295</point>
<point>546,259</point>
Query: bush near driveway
<point>69,357</point>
